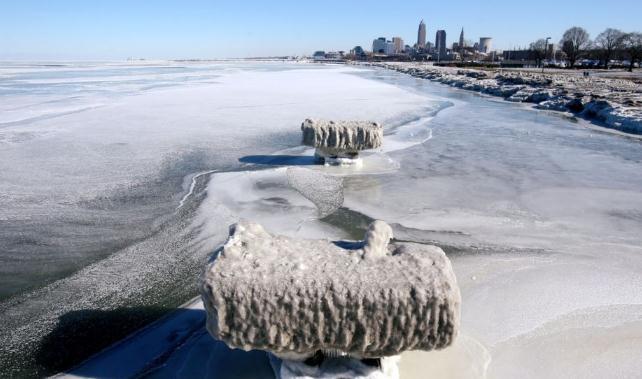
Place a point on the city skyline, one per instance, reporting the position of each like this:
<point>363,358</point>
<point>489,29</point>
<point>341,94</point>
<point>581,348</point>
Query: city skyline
<point>77,30</point>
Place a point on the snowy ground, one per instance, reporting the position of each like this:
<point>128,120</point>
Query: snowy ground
<point>539,215</point>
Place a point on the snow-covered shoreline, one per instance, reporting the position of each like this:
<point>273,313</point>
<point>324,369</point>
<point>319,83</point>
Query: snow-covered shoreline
<point>613,103</point>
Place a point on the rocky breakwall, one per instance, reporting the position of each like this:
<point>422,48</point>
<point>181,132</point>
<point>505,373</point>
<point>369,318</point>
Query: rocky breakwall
<point>339,142</point>
<point>301,299</point>
<point>614,103</point>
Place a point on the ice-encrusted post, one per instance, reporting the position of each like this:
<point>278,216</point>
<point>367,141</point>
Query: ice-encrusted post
<point>375,242</point>
<point>339,142</point>
<point>301,299</point>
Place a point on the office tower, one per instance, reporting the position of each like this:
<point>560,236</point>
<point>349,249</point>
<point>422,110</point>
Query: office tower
<point>379,45</point>
<point>485,44</point>
<point>421,35</point>
<point>440,43</point>
<point>398,44</point>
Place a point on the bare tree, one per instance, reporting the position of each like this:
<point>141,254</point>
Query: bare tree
<point>574,42</point>
<point>632,44</point>
<point>608,41</point>
<point>538,49</point>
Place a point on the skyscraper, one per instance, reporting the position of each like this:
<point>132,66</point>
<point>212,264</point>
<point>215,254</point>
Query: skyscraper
<point>379,45</point>
<point>485,44</point>
<point>421,35</point>
<point>461,39</point>
<point>398,44</point>
<point>440,43</point>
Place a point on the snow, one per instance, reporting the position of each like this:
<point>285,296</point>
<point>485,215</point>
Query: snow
<point>294,297</point>
<point>100,199</point>
<point>547,214</point>
<point>540,216</point>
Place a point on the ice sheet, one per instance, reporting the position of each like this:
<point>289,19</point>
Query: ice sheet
<point>100,190</point>
<point>540,216</point>
<point>552,211</point>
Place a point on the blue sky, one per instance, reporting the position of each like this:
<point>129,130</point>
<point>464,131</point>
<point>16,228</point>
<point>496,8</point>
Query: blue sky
<point>91,30</point>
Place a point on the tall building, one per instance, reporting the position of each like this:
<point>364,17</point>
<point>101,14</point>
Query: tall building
<point>440,43</point>
<point>461,39</point>
<point>358,51</point>
<point>390,48</point>
<point>398,44</point>
<point>421,35</point>
<point>382,46</point>
<point>485,44</point>
<point>379,45</point>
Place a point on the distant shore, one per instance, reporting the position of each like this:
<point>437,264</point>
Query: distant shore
<point>612,103</point>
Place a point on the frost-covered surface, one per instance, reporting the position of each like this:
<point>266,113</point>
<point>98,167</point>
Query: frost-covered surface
<point>325,191</point>
<point>337,368</point>
<point>339,142</point>
<point>94,163</point>
<point>539,216</point>
<point>342,135</point>
<point>294,297</point>
<point>101,145</point>
<point>617,103</point>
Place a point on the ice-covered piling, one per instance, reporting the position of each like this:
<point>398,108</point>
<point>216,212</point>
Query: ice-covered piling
<point>339,142</point>
<point>293,297</point>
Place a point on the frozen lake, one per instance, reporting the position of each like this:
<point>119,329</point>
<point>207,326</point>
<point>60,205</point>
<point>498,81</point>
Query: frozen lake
<point>117,181</point>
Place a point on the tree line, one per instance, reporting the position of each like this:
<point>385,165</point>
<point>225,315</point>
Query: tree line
<point>612,43</point>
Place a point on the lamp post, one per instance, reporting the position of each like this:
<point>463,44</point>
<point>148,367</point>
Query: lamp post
<point>545,52</point>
